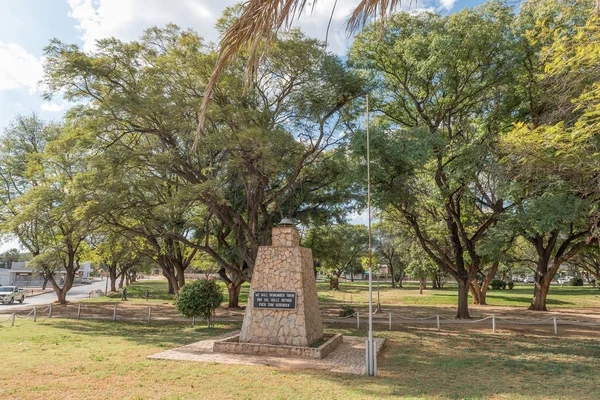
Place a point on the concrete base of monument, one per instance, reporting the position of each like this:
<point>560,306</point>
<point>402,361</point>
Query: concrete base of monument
<point>348,357</point>
<point>233,345</point>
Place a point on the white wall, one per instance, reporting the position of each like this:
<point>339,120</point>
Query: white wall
<point>4,277</point>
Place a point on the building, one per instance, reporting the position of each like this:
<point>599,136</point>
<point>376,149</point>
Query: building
<point>21,275</point>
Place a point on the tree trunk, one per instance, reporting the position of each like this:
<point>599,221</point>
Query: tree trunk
<point>434,284</point>
<point>421,285</point>
<point>233,288</point>
<point>171,288</point>
<point>179,274</point>
<point>234,295</point>
<point>540,292</point>
<point>391,271</point>
<point>462,311</point>
<point>351,276</point>
<point>45,282</point>
<point>122,279</point>
<point>61,296</point>
<point>112,272</point>
<point>476,292</point>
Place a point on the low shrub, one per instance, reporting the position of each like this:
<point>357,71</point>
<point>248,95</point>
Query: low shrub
<point>347,310</point>
<point>199,299</point>
<point>576,282</point>
<point>510,285</point>
<point>497,284</point>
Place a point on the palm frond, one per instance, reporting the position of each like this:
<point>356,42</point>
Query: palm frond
<point>368,9</point>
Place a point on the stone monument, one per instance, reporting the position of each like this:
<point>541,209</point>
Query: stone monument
<point>282,305</point>
<point>282,316</point>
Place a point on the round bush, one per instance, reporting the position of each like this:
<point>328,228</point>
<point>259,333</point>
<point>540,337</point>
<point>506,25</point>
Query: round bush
<point>510,285</point>
<point>576,282</point>
<point>199,299</point>
<point>497,284</point>
<point>347,311</point>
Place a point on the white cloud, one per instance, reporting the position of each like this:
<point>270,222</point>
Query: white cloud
<point>19,68</point>
<point>52,106</point>
<point>127,19</point>
<point>447,4</point>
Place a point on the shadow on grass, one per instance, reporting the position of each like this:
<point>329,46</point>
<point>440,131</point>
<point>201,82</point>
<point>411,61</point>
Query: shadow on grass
<point>448,366</point>
<point>161,334</point>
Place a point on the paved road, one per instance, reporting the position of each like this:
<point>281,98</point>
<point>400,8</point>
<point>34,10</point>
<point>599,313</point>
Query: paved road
<point>76,292</point>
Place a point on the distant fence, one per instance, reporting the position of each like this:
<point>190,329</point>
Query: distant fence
<point>143,313</point>
<point>438,321</point>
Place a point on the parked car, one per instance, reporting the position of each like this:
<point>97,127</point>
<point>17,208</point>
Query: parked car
<point>564,280</point>
<point>86,281</point>
<point>529,279</point>
<point>10,294</point>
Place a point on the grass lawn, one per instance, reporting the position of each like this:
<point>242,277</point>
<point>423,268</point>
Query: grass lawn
<point>520,296</point>
<point>159,292</point>
<point>81,359</point>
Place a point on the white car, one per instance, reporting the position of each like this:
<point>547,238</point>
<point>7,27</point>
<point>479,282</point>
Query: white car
<point>529,279</point>
<point>564,280</point>
<point>10,294</point>
<point>86,281</point>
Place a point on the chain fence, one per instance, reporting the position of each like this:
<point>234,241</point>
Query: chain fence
<point>148,314</point>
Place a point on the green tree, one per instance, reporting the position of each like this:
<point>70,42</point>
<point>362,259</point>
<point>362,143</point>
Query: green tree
<point>442,96</point>
<point>45,205</point>
<point>391,244</point>
<point>552,151</point>
<point>338,248</point>
<point>266,152</point>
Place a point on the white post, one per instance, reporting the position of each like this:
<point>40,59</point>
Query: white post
<point>115,313</point>
<point>34,313</point>
<point>437,318</point>
<point>50,311</point>
<point>390,321</point>
<point>555,327</point>
<point>494,323</point>
<point>149,313</point>
<point>193,321</point>
<point>357,320</point>
<point>79,311</point>
<point>12,323</point>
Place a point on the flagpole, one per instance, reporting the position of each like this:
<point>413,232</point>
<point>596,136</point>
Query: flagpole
<point>371,350</point>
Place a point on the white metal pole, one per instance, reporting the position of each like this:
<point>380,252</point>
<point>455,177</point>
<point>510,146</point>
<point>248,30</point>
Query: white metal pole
<point>437,317</point>
<point>12,323</point>
<point>149,313</point>
<point>50,311</point>
<point>555,327</point>
<point>493,323</point>
<point>79,311</point>
<point>390,321</point>
<point>34,313</point>
<point>115,313</point>
<point>357,320</point>
<point>370,362</point>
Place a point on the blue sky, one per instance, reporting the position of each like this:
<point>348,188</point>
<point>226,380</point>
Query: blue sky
<point>26,26</point>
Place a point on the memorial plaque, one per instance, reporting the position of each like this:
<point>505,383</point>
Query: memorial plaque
<point>274,300</point>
